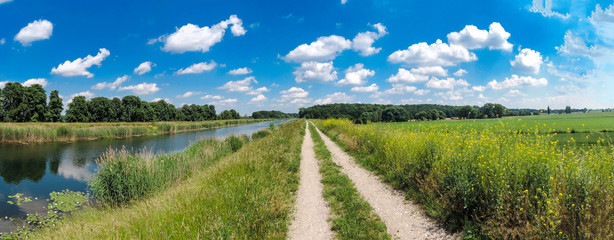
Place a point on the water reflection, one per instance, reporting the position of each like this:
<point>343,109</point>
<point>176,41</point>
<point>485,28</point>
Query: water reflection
<point>39,169</point>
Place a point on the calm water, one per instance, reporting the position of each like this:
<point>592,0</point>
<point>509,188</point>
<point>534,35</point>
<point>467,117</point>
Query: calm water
<point>39,169</point>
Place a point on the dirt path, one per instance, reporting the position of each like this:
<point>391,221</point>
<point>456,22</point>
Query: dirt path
<point>311,214</point>
<point>403,219</point>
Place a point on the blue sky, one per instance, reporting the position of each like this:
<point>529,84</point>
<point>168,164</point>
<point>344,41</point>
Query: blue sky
<point>282,55</point>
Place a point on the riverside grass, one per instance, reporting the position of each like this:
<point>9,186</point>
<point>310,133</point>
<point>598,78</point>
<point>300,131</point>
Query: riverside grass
<point>246,195</point>
<point>62,132</point>
<point>353,217</point>
<point>492,183</point>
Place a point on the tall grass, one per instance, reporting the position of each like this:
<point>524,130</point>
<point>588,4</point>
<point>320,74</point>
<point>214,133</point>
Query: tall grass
<point>49,132</point>
<point>353,217</point>
<point>492,183</point>
<point>246,195</point>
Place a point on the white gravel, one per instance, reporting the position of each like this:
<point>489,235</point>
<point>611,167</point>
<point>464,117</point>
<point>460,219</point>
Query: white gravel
<point>311,211</point>
<point>403,219</point>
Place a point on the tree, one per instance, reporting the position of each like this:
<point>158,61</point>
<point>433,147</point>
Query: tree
<point>133,110</point>
<point>568,109</point>
<point>35,100</point>
<point>54,110</point>
<point>78,110</point>
<point>100,110</point>
<point>117,109</point>
<point>548,110</point>
<point>229,114</point>
<point>395,114</point>
<point>11,99</point>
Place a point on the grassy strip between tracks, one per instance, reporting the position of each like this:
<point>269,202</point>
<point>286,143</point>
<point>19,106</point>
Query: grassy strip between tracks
<point>353,217</point>
<point>247,195</point>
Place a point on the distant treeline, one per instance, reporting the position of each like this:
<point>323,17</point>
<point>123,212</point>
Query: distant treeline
<point>19,103</point>
<point>273,114</point>
<point>362,113</point>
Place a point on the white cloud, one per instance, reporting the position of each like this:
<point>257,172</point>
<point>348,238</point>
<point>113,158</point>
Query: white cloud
<point>516,81</point>
<point>192,38</point>
<point>197,68</point>
<point>214,97</point>
<point>461,72</point>
<point>79,66</point>
<point>188,94</point>
<point>3,83</point>
<point>363,41</point>
<point>2,41</point>
<point>422,92</point>
<point>577,47</point>
<point>259,98</point>
<point>545,8</point>
<point>431,71</point>
<point>514,93</point>
<point>293,93</point>
<point>228,101</point>
<point>5,1</point>
<point>528,61</point>
<point>113,85</point>
<point>167,100</point>
<point>448,83</point>
<point>240,71</point>
<point>473,38</point>
<point>258,91</point>
<point>451,95</point>
<point>315,72</point>
<point>35,31</point>
<point>371,88</point>
<point>142,88</point>
<point>323,49</point>
<point>436,54</point>
<point>86,94</point>
<point>337,97</point>
<point>143,68</point>
<point>240,85</point>
<point>603,15</point>
<point>30,82</point>
<point>396,89</point>
<point>342,1</point>
<point>356,75</point>
<point>406,76</point>
<point>478,88</point>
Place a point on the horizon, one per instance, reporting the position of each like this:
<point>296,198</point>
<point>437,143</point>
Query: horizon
<point>286,55</point>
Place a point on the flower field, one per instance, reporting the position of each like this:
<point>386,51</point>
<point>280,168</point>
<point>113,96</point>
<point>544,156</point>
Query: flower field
<point>502,179</point>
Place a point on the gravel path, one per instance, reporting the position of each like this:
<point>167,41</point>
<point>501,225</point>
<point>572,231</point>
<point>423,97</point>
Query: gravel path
<point>403,219</point>
<point>311,213</point>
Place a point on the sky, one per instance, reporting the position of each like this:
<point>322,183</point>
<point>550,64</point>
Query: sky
<point>284,55</point>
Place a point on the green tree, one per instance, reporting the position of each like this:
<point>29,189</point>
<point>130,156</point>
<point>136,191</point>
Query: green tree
<point>548,110</point>
<point>395,114</point>
<point>11,99</point>
<point>568,109</point>
<point>35,100</point>
<point>54,110</point>
<point>117,109</point>
<point>100,110</point>
<point>78,110</point>
<point>133,110</point>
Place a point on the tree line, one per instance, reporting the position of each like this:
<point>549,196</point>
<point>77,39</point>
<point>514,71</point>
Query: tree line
<point>20,103</point>
<point>273,114</point>
<point>362,113</point>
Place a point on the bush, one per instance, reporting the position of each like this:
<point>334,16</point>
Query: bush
<point>260,134</point>
<point>235,143</point>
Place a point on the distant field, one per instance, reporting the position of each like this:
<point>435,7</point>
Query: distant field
<point>584,128</point>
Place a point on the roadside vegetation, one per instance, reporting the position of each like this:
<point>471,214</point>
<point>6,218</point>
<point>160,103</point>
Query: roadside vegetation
<point>353,217</point>
<point>49,132</point>
<point>246,195</point>
<point>492,180</point>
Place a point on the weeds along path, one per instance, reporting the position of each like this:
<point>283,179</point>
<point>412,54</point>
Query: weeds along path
<point>311,214</point>
<point>402,218</point>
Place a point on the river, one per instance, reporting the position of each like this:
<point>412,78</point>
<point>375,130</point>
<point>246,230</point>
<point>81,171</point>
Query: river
<point>39,169</point>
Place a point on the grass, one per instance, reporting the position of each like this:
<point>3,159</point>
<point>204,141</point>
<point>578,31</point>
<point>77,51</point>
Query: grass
<point>246,195</point>
<point>491,181</point>
<point>353,217</point>
<point>49,132</point>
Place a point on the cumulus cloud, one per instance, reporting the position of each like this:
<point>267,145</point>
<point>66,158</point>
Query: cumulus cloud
<point>315,72</point>
<point>240,85</point>
<point>406,76</point>
<point>603,15</point>
<point>371,88</point>
<point>576,46</point>
<point>461,72</point>
<point>2,41</point>
<point>430,71</point>
<point>229,101</point>
<point>240,71</point>
<point>258,91</point>
<point>514,93</point>
<point>214,97</point>
<point>79,66</point>
<point>293,93</point>
<point>362,42</point>
<point>436,54</point>
<point>259,98</point>
<point>323,49</point>
<point>545,8</point>
<point>3,83</point>
<point>86,94</point>
<point>167,100</point>
<point>528,61</point>
<point>338,97</point>
<point>473,38</point>
<point>448,83</point>
<point>32,81</point>
<point>478,88</point>
<point>113,85</point>
<point>143,68</point>
<point>188,94</point>
<point>197,68</point>
<point>451,95</point>
<point>192,38</point>
<point>515,81</point>
<point>422,92</point>
<point>141,88</point>
<point>5,1</point>
<point>35,31</point>
<point>400,89</point>
<point>356,75</point>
